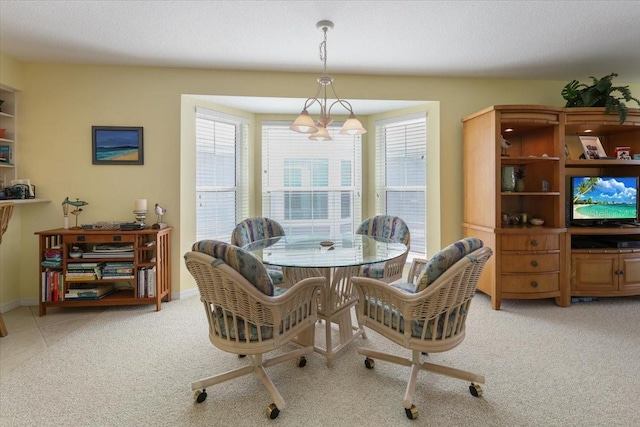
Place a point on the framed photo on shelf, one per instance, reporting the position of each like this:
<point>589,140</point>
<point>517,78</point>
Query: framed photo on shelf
<point>117,145</point>
<point>592,147</point>
<point>623,153</point>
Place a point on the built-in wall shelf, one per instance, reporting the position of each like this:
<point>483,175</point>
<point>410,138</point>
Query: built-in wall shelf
<point>27,201</point>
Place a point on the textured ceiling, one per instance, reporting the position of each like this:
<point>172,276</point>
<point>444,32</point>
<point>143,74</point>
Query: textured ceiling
<point>551,40</point>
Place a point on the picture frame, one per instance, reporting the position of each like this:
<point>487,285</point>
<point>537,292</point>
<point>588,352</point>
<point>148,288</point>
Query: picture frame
<point>623,153</point>
<point>117,145</point>
<point>592,147</point>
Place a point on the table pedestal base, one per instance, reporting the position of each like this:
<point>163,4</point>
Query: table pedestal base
<point>334,306</point>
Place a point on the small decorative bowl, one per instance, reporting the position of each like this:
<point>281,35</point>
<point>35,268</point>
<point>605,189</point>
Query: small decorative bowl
<point>326,243</point>
<point>536,221</point>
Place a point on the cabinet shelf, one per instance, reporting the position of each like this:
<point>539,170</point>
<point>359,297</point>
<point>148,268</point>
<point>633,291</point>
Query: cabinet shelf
<point>530,193</point>
<point>525,160</point>
<point>600,163</point>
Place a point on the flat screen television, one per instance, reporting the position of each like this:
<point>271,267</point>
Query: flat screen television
<point>603,200</point>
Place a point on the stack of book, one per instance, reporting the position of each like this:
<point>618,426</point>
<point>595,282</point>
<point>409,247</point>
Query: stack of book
<point>117,270</point>
<point>83,271</point>
<point>110,251</point>
<point>89,290</point>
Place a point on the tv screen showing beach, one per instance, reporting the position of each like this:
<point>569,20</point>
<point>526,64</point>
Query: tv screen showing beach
<point>604,198</point>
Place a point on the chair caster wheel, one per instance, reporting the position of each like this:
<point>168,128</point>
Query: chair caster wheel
<point>412,413</point>
<point>369,363</point>
<point>273,411</point>
<point>302,362</point>
<point>200,396</point>
<point>475,390</point>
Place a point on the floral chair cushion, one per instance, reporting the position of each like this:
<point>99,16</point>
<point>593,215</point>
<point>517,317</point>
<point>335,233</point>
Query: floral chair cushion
<point>255,228</point>
<point>388,227</point>
<point>444,259</point>
<point>259,228</point>
<point>417,326</point>
<point>240,260</point>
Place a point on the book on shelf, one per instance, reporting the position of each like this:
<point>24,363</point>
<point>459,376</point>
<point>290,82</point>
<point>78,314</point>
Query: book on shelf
<point>81,265</point>
<point>52,286</point>
<point>106,255</point>
<point>6,155</point>
<point>146,282</point>
<point>117,276</point>
<point>151,282</point>
<point>125,247</point>
<point>86,273</point>
<point>89,290</point>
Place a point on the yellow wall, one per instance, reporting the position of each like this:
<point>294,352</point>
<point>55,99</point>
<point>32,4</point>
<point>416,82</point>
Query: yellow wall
<point>59,104</point>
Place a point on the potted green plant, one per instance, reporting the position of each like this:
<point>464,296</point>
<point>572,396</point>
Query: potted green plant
<point>601,93</point>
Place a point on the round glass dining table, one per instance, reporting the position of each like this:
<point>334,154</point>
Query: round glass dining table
<point>312,251</point>
<point>337,260</point>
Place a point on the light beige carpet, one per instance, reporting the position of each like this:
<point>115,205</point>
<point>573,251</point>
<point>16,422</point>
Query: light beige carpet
<point>545,366</point>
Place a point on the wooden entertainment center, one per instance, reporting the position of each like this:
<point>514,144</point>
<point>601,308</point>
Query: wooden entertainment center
<point>548,260</point>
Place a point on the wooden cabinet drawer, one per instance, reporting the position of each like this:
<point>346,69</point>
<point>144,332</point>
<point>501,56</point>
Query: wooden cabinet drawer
<point>530,242</point>
<point>529,283</point>
<point>534,263</point>
<point>96,238</point>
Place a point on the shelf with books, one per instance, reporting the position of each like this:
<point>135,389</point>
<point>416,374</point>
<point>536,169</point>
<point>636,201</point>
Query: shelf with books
<point>142,277</point>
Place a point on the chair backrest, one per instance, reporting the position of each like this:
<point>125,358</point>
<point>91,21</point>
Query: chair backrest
<point>444,259</point>
<point>386,226</point>
<point>255,228</point>
<point>6,209</point>
<point>245,263</point>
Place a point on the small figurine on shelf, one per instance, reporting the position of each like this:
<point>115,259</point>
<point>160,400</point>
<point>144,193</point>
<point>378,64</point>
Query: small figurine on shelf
<point>504,144</point>
<point>78,204</point>
<point>160,211</point>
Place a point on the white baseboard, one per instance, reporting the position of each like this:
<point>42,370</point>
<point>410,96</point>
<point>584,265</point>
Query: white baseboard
<point>8,306</point>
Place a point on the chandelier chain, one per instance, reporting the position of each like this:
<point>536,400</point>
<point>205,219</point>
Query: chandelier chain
<point>323,50</point>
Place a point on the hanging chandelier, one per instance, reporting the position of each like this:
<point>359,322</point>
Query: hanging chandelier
<point>318,128</point>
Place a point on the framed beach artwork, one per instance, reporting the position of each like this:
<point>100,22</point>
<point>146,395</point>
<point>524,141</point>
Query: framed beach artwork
<point>117,145</point>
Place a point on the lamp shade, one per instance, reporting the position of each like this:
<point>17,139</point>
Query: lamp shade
<point>321,135</point>
<point>352,126</point>
<point>304,124</point>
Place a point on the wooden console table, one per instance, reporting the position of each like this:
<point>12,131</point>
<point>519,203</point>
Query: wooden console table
<point>144,275</point>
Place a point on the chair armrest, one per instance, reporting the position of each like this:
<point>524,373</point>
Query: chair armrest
<point>416,267</point>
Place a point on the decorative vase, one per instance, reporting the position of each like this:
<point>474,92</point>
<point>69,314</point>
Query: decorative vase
<point>508,178</point>
<point>519,185</point>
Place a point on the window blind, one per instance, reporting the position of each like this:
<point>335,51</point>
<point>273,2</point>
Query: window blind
<point>401,171</point>
<point>221,174</point>
<point>311,187</point>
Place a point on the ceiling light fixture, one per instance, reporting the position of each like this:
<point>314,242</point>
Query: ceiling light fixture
<point>318,128</point>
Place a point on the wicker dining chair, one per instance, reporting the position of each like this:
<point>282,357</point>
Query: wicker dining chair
<point>247,315</point>
<point>388,227</point>
<point>259,228</point>
<point>6,210</point>
<point>426,316</point>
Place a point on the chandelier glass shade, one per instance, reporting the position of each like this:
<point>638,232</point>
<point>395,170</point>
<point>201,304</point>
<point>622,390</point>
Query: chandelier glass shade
<point>304,123</point>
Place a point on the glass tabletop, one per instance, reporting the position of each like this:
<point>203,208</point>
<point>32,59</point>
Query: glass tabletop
<point>312,251</point>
